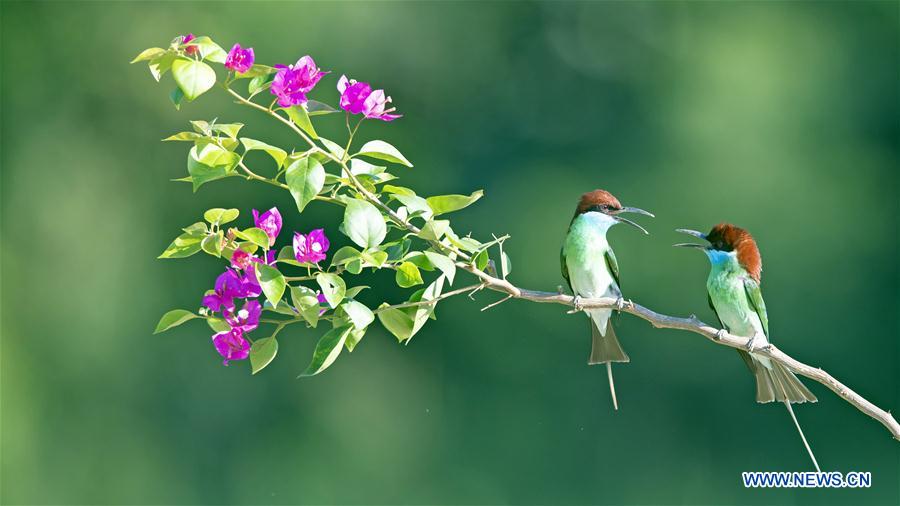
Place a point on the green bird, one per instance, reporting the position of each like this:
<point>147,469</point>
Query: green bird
<point>735,296</point>
<point>590,268</point>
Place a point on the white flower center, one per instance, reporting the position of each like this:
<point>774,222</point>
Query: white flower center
<point>243,314</point>
<point>316,247</point>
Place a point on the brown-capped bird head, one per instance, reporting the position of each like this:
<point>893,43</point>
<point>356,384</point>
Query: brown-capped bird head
<point>728,238</point>
<point>601,201</point>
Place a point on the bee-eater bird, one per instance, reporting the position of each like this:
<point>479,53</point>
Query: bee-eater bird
<point>590,268</point>
<point>734,294</point>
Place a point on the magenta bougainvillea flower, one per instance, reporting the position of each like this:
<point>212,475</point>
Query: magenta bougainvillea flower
<point>269,222</point>
<point>240,259</point>
<point>322,302</point>
<point>249,284</point>
<point>312,247</point>
<point>232,345</point>
<point>187,38</point>
<point>358,97</point>
<point>247,318</point>
<point>228,286</point>
<point>293,82</point>
<point>239,60</point>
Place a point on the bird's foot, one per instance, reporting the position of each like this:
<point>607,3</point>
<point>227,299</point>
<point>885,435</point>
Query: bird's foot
<point>751,344</point>
<point>720,334</point>
<point>577,303</point>
<point>620,303</point>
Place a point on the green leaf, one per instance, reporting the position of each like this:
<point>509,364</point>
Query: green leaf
<point>408,275</point>
<point>149,54</point>
<point>505,265</point>
<point>398,190</point>
<point>448,203</point>
<point>259,83</point>
<point>359,167</point>
<point>175,318</point>
<point>255,235</point>
<point>257,70</point>
<point>397,249</point>
<point>305,300</point>
<point>354,291</point>
<point>276,153</point>
<point>183,246</point>
<point>383,151</point>
<point>176,96</point>
<point>333,287</point>
<point>363,224</point>
<point>420,260</point>
<point>305,179</point>
<point>353,338</point>
<point>161,64</point>
<point>316,108</point>
<point>300,118</point>
<point>334,148</point>
<point>209,163</point>
<point>193,77</point>
<point>218,324</point>
<point>344,255</point>
<point>262,352</point>
<point>354,266</point>
<point>198,228</point>
<point>271,281</point>
<point>327,350</point>
<point>374,258</point>
<point>184,136</point>
<point>359,314</point>
<point>396,321</point>
<point>229,129</point>
<point>213,244</point>
<point>444,263</point>
<point>433,230</point>
<point>417,206</point>
<point>209,50</point>
<point>220,216</point>
<point>481,260</point>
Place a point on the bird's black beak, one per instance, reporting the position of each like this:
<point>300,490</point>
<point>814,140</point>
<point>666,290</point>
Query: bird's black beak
<point>699,235</point>
<point>629,222</point>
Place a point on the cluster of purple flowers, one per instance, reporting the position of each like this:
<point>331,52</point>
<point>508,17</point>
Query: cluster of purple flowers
<point>239,281</point>
<point>293,82</point>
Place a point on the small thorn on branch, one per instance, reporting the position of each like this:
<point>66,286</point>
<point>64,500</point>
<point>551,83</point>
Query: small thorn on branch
<point>501,301</point>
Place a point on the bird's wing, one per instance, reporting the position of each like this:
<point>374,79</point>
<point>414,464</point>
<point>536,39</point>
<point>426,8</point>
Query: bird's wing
<point>709,301</point>
<point>748,360</point>
<point>565,269</point>
<point>754,295</point>
<point>613,266</point>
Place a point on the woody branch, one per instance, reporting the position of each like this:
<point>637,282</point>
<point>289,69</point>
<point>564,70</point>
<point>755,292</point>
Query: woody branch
<point>695,325</point>
<point>658,320</point>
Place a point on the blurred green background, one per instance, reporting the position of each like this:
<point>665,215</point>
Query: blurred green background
<point>780,117</point>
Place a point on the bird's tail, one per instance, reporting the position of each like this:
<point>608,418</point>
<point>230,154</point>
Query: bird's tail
<point>775,382</point>
<point>605,349</point>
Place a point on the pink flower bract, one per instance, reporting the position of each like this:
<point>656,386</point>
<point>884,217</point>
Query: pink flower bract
<point>232,345</point>
<point>358,97</point>
<point>311,248</point>
<point>293,82</point>
<point>239,60</point>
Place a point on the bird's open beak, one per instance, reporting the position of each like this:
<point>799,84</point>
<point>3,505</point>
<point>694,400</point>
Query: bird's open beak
<point>699,235</point>
<point>636,210</point>
<point>629,222</point>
